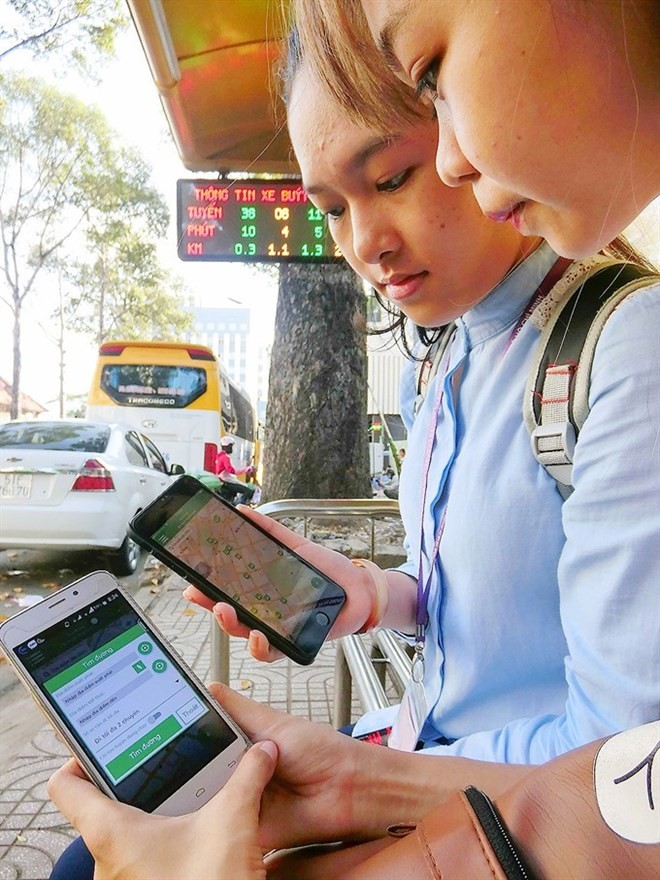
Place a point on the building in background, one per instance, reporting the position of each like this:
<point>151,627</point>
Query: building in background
<point>28,408</point>
<point>386,429</point>
<point>226,332</point>
<point>385,361</point>
<point>247,360</point>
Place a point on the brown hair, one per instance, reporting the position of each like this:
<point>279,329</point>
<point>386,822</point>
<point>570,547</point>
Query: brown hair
<point>290,65</point>
<point>337,44</point>
<point>622,249</point>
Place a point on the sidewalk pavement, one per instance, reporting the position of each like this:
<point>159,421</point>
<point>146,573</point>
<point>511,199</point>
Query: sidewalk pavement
<point>33,833</point>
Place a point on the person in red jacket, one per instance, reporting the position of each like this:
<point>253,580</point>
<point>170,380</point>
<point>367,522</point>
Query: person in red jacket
<point>228,473</point>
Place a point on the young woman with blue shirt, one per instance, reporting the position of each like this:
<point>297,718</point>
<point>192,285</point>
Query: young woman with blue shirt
<point>427,249</point>
<point>327,787</point>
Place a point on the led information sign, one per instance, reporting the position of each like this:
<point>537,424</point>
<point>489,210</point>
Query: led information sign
<point>250,221</point>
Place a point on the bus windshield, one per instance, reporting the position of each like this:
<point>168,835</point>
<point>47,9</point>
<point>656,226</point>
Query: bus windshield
<point>179,394</point>
<point>153,384</point>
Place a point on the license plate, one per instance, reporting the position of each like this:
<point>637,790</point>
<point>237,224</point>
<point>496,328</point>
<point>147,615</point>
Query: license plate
<point>15,485</point>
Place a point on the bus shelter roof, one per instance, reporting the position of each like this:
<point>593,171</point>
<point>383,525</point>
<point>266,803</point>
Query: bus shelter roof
<point>214,65</point>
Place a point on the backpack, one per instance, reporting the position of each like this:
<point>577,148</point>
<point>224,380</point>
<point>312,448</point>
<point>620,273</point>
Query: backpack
<point>556,401</point>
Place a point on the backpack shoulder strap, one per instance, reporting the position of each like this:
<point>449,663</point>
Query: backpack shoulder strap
<point>556,401</point>
<point>426,368</point>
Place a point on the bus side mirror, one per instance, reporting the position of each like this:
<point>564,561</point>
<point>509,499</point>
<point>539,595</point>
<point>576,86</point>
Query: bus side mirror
<point>176,470</point>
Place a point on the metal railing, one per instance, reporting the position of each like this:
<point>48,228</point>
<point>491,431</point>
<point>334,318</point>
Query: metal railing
<point>336,508</point>
<point>354,665</point>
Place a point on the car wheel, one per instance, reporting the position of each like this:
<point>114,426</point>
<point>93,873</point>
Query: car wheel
<point>125,560</point>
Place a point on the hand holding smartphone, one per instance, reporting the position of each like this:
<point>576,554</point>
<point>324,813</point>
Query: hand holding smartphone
<point>230,559</point>
<point>136,718</point>
<point>134,846</point>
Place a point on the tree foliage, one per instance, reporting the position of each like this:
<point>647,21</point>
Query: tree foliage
<point>61,177</point>
<point>80,31</point>
<point>316,435</point>
<point>121,290</point>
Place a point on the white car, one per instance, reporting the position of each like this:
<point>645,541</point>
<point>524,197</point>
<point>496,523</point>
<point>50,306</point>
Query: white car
<point>75,485</point>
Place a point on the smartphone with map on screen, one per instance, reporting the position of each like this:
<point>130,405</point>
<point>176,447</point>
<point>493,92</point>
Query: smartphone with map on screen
<point>214,546</point>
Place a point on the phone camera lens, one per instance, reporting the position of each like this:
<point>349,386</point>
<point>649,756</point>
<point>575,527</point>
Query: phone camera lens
<point>75,592</point>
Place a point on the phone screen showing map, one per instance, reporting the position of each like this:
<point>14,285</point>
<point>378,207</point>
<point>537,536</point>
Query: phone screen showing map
<point>245,564</point>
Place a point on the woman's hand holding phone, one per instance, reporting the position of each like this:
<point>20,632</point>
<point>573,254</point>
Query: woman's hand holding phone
<point>355,581</point>
<point>221,839</point>
<point>329,787</point>
<point>325,787</point>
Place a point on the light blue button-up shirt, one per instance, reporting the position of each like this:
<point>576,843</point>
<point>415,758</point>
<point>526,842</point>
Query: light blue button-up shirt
<point>544,617</point>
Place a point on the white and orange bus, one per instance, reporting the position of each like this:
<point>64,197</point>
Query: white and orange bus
<point>178,394</point>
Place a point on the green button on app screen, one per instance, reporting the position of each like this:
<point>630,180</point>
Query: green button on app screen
<point>143,748</point>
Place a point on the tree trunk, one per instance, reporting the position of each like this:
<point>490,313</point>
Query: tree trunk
<point>16,377</point>
<point>60,342</point>
<point>316,435</point>
<point>101,333</point>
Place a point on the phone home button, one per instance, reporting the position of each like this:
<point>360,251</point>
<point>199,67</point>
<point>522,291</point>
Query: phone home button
<point>200,792</point>
<point>322,618</point>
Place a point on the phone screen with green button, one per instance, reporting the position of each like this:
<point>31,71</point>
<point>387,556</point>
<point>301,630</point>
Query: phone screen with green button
<point>130,705</point>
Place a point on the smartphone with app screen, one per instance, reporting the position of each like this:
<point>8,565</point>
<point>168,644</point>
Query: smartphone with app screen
<point>141,724</point>
<point>230,559</point>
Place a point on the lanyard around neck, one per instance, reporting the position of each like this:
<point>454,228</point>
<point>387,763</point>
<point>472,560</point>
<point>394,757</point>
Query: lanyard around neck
<point>424,587</point>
